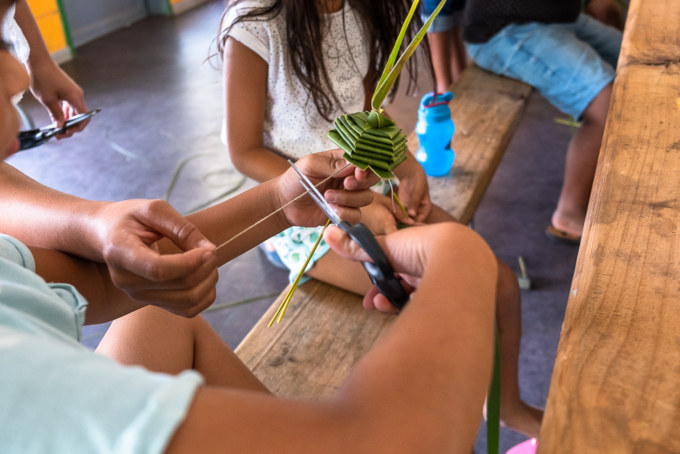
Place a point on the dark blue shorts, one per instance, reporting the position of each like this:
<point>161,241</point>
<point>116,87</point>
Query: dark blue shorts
<point>450,16</point>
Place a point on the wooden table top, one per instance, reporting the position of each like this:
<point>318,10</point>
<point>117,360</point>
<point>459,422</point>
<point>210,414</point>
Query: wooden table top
<point>616,381</point>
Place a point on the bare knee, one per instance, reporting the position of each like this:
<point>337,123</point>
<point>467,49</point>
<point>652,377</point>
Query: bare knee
<point>507,289</point>
<point>596,112</point>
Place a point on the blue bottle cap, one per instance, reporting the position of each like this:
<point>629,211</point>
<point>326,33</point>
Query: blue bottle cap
<point>435,107</point>
<point>433,99</point>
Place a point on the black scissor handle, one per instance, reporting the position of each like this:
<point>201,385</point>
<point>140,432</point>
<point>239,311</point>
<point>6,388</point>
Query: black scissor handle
<point>380,270</point>
<point>34,137</point>
<point>31,138</point>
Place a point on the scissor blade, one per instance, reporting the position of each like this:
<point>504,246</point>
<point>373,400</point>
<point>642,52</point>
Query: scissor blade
<point>74,121</point>
<point>316,196</point>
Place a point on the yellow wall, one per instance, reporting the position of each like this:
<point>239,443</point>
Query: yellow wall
<point>46,13</point>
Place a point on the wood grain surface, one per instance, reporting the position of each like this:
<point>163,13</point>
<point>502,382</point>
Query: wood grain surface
<point>485,110</point>
<point>616,381</point>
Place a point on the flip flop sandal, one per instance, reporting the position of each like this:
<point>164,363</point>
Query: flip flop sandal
<point>561,236</point>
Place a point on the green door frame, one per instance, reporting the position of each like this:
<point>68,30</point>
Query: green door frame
<point>65,26</point>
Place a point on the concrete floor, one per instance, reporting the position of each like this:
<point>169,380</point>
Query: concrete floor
<point>162,108</point>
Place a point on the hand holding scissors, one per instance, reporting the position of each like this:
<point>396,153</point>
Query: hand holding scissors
<point>34,137</point>
<point>379,270</point>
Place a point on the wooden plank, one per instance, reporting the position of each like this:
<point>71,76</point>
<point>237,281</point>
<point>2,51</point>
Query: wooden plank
<point>616,381</point>
<point>323,333</point>
<point>651,33</point>
<point>486,110</point>
<point>326,330</point>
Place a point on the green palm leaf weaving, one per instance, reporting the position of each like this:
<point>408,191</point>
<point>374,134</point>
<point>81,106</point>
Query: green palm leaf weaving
<point>369,139</point>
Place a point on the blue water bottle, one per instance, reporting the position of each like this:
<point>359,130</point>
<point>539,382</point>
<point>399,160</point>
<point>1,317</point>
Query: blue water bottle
<point>435,130</point>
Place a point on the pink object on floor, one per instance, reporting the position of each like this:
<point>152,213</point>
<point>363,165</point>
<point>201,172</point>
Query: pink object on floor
<point>526,447</point>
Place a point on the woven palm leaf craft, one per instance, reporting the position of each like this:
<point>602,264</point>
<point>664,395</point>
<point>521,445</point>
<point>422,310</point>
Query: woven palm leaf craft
<point>369,139</point>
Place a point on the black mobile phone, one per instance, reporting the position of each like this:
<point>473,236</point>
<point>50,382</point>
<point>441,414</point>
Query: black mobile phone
<point>34,137</point>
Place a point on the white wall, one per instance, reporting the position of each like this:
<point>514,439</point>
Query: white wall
<point>90,19</point>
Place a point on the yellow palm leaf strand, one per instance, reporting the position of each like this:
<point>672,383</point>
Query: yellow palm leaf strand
<point>284,304</point>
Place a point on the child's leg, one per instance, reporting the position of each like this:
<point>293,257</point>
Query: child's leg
<point>575,78</point>
<point>580,164</point>
<point>164,342</point>
<point>445,38</point>
<point>609,12</point>
<point>338,271</point>
<point>515,413</point>
<point>449,57</point>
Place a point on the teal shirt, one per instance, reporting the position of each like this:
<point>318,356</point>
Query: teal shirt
<point>58,396</point>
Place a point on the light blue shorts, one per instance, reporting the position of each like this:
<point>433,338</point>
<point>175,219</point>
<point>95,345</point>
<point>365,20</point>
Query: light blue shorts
<point>569,64</point>
<point>450,16</point>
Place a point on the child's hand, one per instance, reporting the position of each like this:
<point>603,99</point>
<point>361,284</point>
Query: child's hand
<point>407,250</point>
<point>182,282</point>
<point>414,191</point>
<point>379,218</point>
<point>426,255</point>
<point>347,191</point>
<point>60,95</point>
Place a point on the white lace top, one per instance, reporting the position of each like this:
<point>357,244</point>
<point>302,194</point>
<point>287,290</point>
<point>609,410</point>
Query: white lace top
<point>293,127</point>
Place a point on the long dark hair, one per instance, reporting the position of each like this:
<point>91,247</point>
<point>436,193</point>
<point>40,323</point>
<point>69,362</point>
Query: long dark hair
<point>382,21</point>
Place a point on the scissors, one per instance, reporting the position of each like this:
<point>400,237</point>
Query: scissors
<point>34,137</point>
<point>379,270</point>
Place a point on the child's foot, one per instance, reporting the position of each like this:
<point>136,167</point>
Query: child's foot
<point>523,418</point>
<point>570,226</point>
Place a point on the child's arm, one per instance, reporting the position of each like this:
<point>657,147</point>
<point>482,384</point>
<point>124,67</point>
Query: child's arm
<point>245,88</point>
<point>49,83</point>
<point>106,302</point>
<point>122,235</point>
<point>184,295</point>
<point>347,191</point>
<point>421,387</point>
<point>414,191</point>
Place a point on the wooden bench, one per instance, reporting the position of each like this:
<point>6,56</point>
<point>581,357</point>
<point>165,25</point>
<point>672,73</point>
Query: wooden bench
<point>325,329</point>
<point>616,381</point>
